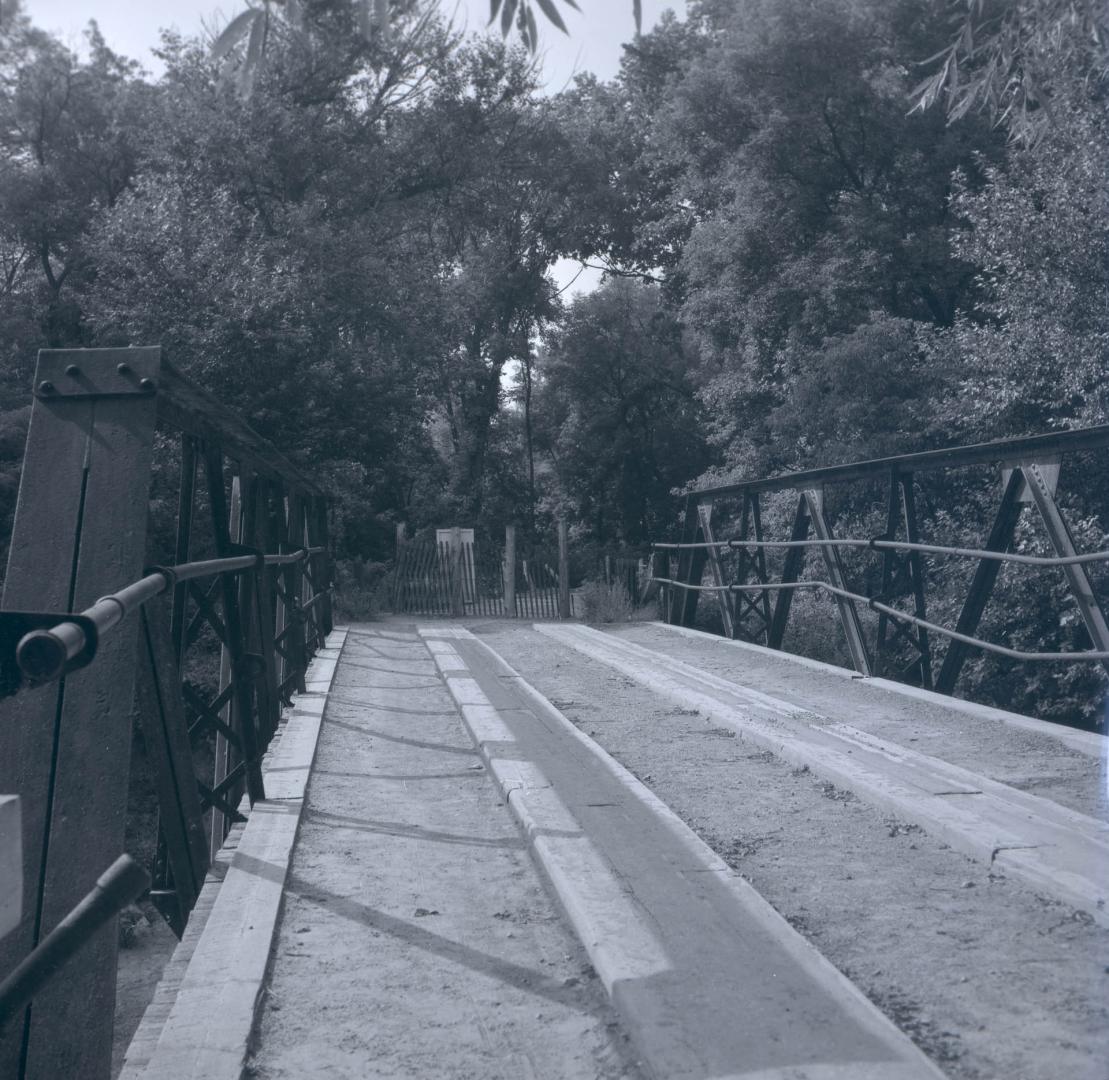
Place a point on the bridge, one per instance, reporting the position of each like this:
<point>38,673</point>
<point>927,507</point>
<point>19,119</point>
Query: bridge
<point>485,846</point>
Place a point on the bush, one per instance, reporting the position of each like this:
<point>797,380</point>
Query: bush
<point>362,590</point>
<point>601,603</point>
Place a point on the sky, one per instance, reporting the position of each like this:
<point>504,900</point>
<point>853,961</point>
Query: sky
<point>593,44</point>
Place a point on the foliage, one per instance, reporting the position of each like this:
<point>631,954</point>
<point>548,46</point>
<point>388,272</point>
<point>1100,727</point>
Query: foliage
<point>605,603</point>
<point>243,42</point>
<point>1013,59</point>
<point>619,414</point>
<point>806,205</point>
<point>1032,354</point>
<point>69,150</point>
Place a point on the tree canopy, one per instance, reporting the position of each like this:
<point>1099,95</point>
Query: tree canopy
<point>353,244</point>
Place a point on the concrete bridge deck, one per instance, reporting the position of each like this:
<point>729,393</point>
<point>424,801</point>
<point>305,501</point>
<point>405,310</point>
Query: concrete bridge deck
<point>554,852</point>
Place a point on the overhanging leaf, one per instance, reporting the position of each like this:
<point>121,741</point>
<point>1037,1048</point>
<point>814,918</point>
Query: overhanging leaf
<point>533,32</point>
<point>257,36</point>
<point>637,13</point>
<point>234,32</point>
<point>548,9</point>
<point>507,15</point>
<point>494,10</point>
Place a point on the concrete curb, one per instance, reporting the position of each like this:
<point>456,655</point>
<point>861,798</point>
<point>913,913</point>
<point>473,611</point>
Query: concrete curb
<point>574,871</point>
<point>200,1023</point>
<point>619,943</point>
<point>11,864</point>
<point>1085,742</point>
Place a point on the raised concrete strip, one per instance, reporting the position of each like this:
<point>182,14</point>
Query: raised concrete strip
<point>1085,742</point>
<point>199,1024</point>
<point>1059,851</point>
<point>710,981</point>
<point>11,864</point>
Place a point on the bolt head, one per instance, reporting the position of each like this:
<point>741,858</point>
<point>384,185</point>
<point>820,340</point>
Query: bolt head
<point>148,384</point>
<point>123,369</point>
<point>73,370</point>
<point>46,387</point>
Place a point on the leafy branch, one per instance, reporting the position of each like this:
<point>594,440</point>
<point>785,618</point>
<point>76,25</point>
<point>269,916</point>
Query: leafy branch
<point>1007,58</point>
<point>250,29</point>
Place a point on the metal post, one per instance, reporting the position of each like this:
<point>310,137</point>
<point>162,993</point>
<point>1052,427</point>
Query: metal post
<point>916,577</point>
<point>165,733</point>
<point>760,562</point>
<point>80,531</point>
<point>222,749</point>
<point>242,690</point>
<point>258,613</point>
<point>278,541</point>
<point>723,599</point>
<point>326,575</point>
<point>848,616</point>
<point>1001,535</point>
<point>758,603</point>
<point>902,513</point>
<point>1039,478</point>
<point>186,502</point>
<point>791,571</point>
<point>294,591</point>
<point>691,568</point>
<point>563,569</point>
<point>510,570</point>
<point>456,571</point>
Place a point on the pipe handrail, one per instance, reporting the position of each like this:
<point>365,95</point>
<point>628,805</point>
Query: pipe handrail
<point>43,654</point>
<point>880,544</point>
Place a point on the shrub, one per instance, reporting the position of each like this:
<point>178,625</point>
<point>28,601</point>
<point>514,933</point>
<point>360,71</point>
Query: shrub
<point>601,603</point>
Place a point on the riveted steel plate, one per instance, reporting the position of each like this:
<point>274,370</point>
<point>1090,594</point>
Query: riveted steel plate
<point>97,373</point>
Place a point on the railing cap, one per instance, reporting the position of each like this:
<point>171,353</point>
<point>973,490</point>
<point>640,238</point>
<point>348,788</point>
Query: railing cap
<point>1038,446</point>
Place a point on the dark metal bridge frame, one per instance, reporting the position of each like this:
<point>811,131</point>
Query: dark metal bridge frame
<point>1029,473</point>
<point>74,669</point>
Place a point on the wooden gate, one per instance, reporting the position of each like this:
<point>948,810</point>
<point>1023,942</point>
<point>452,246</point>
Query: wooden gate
<point>452,577</point>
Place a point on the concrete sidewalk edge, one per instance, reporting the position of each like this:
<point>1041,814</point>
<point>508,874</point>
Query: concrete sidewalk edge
<point>1037,861</point>
<point>200,1023</point>
<point>1085,742</point>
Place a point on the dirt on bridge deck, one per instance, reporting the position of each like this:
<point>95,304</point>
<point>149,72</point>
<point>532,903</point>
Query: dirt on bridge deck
<point>988,975</point>
<point>418,938</point>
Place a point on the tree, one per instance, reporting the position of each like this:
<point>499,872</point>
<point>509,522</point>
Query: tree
<point>280,248</point>
<point>1033,353</point>
<point>804,205</point>
<point>621,419</point>
<point>69,150</point>
<point>511,210</point>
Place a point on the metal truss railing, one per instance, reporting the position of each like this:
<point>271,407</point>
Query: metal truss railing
<point>743,586</point>
<point>876,605</point>
<point>204,652</point>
